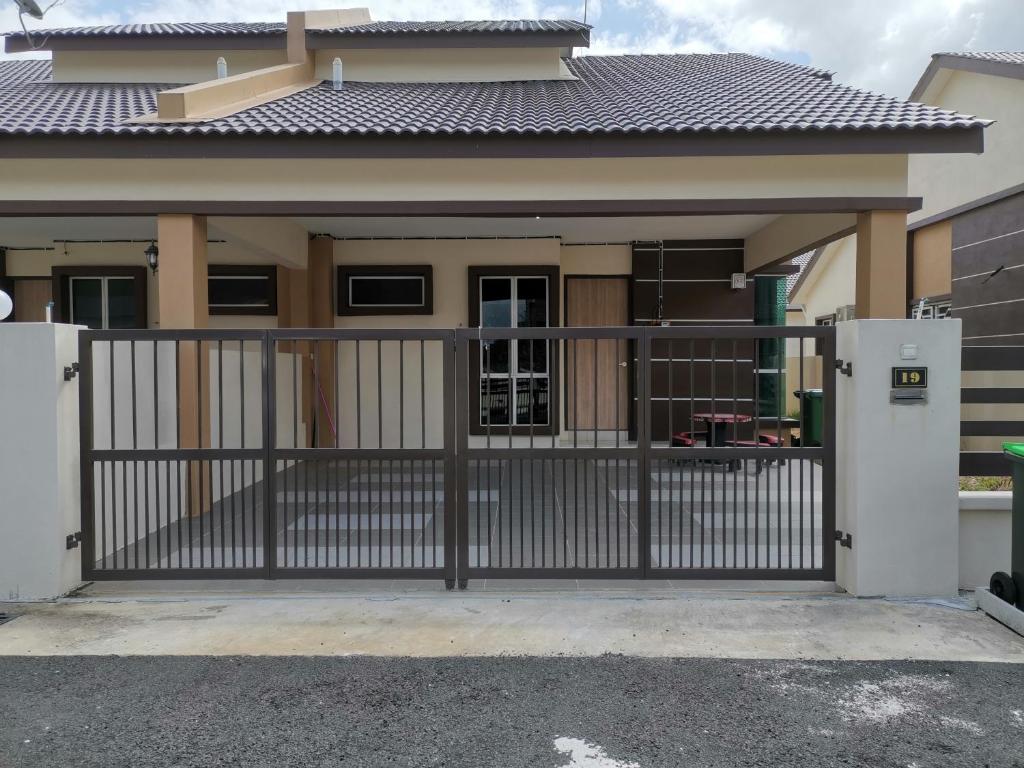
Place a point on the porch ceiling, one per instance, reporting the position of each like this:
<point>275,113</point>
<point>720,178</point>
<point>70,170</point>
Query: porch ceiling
<point>571,230</point>
<point>38,232</point>
<point>17,232</point>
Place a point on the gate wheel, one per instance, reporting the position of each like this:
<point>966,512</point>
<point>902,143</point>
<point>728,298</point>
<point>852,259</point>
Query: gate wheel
<point>1001,585</point>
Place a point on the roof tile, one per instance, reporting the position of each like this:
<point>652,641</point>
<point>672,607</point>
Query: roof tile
<point>1004,57</point>
<point>637,94</point>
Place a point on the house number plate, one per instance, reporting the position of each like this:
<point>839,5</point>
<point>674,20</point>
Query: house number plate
<point>909,378</point>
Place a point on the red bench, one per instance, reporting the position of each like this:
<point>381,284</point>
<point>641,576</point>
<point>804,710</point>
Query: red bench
<point>687,439</point>
<point>683,440</point>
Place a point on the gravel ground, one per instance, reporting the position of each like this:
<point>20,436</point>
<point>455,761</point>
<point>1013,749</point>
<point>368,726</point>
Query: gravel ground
<point>607,712</point>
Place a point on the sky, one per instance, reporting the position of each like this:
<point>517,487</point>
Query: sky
<point>880,45</point>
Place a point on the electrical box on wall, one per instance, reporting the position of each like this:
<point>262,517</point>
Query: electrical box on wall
<point>739,281</point>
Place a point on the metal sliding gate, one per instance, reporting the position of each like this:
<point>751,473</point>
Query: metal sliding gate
<point>629,452</point>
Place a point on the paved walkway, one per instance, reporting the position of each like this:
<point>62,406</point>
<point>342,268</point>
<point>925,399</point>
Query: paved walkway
<point>420,619</point>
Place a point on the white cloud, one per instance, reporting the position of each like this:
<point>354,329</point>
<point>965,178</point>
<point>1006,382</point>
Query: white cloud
<point>878,44</point>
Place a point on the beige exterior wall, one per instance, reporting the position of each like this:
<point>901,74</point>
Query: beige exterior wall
<point>39,264</point>
<point>788,236</point>
<point>443,65</point>
<point>156,66</point>
<point>946,181</point>
<point>451,260</point>
<point>828,286</point>
<point>740,178</point>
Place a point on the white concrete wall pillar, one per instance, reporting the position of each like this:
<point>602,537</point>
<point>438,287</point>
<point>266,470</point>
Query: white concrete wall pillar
<point>897,466</point>
<point>40,491</point>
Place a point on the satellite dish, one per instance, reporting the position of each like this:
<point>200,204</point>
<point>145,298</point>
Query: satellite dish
<point>6,306</point>
<point>31,7</point>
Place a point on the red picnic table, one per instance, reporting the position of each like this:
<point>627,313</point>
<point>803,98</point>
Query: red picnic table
<point>718,425</point>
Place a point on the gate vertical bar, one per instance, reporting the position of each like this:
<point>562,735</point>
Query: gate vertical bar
<point>85,425</point>
<point>828,481</point>
<point>643,411</point>
<point>268,373</point>
<point>457,397</point>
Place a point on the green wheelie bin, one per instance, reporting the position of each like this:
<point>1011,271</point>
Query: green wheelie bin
<point>812,404</point>
<point>1010,587</point>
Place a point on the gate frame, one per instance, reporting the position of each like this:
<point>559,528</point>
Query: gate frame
<point>826,453</point>
<point>456,453</point>
<point>446,454</point>
<point>644,452</point>
<point>90,455</point>
<point>466,336</point>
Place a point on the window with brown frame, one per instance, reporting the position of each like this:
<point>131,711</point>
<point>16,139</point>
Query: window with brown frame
<point>391,289</point>
<point>242,289</point>
<point>518,384</point>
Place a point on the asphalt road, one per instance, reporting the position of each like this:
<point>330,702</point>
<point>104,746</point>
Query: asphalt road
<point>610,712</point>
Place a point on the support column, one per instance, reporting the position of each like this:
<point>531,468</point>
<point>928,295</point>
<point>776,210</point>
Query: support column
<point>881,289</point>
<point>184,304</point>
<point>321,315</point>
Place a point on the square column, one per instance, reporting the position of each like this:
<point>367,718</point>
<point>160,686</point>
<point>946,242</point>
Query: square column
<point>881,291</point>
<point>184,304</point>
<point>306,300</point>
<point>321,315</point>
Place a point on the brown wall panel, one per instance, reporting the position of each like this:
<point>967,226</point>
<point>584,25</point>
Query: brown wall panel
<point>993,321</point>
<point>701,375</point>
<point>699,264</point>
<point>987,359</point>
<point>694,301</point>
<point>987,256</point>
<point>1004,286</point>
<point>990,221</point>
<point>722,348</point>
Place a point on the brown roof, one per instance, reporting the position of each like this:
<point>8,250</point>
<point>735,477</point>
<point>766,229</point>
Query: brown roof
<point>657,95</point>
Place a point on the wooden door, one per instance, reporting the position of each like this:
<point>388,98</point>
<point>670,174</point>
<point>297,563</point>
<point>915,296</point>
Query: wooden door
<point>597,372</point>
<point>30,299</point>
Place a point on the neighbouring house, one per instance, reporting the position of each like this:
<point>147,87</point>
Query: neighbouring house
<point>965,251</point>
<point>335,173</point>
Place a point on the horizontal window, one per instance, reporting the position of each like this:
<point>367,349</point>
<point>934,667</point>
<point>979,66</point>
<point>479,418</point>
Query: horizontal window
<point>385,290</point>
<point>242,290</point>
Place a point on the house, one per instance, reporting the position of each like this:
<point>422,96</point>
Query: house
<point>964,255</point>
<point>399,186</point>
